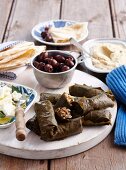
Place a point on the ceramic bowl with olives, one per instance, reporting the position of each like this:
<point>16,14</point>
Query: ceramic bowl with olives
<point>54,68</point>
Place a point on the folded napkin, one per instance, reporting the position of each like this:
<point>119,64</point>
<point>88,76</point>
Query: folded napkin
<point>116,81</point>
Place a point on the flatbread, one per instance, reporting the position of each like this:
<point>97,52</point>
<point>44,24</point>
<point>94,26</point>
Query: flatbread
<point>22,59</point>
<point>14,56</point>
<point>63,34</point>
<point>18,61</point>
<point>16,49</point>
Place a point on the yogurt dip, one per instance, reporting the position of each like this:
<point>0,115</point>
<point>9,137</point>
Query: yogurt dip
<point>107,56</point>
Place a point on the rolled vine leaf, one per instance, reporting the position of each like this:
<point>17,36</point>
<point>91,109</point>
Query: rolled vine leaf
<point>97,118</point>
<point>49,128</point>
<point>84,105</point>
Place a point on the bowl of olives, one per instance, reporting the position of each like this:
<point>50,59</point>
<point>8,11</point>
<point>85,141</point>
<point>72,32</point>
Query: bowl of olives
<point>54,68</point>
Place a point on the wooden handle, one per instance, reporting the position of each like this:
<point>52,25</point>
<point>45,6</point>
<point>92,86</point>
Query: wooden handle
<point>20,124</point>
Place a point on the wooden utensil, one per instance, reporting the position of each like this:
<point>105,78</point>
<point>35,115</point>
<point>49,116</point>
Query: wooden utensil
<point>20,124</point>
<point>20,121</point>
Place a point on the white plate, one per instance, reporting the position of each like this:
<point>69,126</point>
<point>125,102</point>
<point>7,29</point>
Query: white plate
<point>89,44</point>
<point>31,96</point>
<point>37,29</point>
<point>35,148</point>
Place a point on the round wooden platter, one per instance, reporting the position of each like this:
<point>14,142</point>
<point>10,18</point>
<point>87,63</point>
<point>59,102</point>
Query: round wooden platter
<point>35,148</point>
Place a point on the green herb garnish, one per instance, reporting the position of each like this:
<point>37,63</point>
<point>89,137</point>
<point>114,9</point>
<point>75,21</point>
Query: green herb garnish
<point>15,89</point>
<point>2,114</point>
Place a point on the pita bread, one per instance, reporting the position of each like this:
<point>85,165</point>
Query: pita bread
<point>16,55</point>
<point>16,49</point>
<point>22,59</point>
<point>63,34</point>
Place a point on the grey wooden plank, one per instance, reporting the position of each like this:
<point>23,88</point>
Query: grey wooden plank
<point>27,14</point>
<point>7,163</point>
<point>119,17</point>
<point>5,7</point>
<point>96,12</point>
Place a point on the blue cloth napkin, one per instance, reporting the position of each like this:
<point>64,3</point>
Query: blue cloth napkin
<point>116,81</point>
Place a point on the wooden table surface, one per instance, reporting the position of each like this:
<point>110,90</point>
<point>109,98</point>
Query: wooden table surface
<point>107,19</point>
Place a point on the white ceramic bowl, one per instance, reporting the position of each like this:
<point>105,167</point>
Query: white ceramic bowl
<point>30,93</point>
<point>93,42</point>
<point>37,29</point>
<point>7,124</point>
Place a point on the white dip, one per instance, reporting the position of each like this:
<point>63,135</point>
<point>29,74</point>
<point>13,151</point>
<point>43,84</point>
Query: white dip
<point>108,56</point>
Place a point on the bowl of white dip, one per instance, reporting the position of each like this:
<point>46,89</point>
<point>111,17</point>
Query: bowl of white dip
<point>106,54</point>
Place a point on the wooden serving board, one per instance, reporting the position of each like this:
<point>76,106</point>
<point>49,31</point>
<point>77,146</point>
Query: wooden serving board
<point>33,147</point>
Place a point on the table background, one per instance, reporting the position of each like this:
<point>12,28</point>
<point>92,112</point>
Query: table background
<point>107,19</point>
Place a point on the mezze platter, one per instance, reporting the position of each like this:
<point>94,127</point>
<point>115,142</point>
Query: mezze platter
<point>35,148</point>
